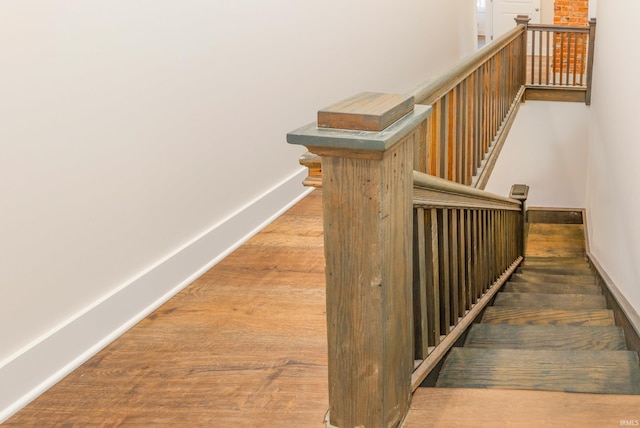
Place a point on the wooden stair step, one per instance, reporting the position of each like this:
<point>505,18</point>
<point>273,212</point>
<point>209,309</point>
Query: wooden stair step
<point>598,372</point>
<point>539,277</point>
<point>555,270</point>
<point>522,316</point>
<point>468,407</point>
<point>550,301</point>
<point>550,288</point>
<point>545,337</point>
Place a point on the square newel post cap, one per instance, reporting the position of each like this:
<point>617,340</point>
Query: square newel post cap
<point>522,19</point>
<point>367,121</point>
<point>519,192</point>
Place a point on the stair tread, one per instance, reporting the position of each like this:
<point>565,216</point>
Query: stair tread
<point>552,288</point>
<point>600,372</point>
<point>545,337</point>
<point>550,301</point>
<point>539,277</point>
<point>468,407</point>
<point>522,316</point>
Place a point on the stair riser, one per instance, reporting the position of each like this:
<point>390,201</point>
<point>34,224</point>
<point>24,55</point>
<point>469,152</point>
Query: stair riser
<point>500,336</point>
<point>555,271</point>
<point>511,316</point>
<point>526,287</point>
<point>561,279</point>
<point>549,301</point>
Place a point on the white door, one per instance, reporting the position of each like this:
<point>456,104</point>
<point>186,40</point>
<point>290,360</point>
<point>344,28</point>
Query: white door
<point>505,11</point>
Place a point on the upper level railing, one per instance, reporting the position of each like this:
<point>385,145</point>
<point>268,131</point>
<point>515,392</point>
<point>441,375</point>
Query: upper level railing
<point>559,61</point>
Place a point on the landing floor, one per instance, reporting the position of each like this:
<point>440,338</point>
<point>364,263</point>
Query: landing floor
<point>243,346</point>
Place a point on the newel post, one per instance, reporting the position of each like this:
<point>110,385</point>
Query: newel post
<point>524,20</point>
<point>366,144</point>
<point>520,192</point>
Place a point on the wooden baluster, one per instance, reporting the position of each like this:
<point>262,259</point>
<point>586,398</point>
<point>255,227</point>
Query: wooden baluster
<point>368,219</point>
<point>468,259</point>
<point>487,106</point>
<point>475,99</point>
<point>493,107</point>
<point>451,135</point>
<point>464,126</point>
<point>562,75</point>
<point>462,262</point>
<point>434,122</point>
<point>555,57</point>
<point>433,277</point>
<point>548,64</point>
<point>493,245</point>
<point>444,258</point>
<point>580,58</point>
<point>533,58</point>
<point>420,320</point>
<point>592,40</point>
<point>476,261</point>
<point>453,266</point>
<point>444,138</point>
<point>540,59</point>
<point>460,140</point>
<point>569,59</point>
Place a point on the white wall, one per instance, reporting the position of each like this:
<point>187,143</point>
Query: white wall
<point>547,150</point>
<point>614,150</point>
<point>133,132</point>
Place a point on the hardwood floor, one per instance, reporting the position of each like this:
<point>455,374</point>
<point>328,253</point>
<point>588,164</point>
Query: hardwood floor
<point>243,346</point>
<point>451,407</point>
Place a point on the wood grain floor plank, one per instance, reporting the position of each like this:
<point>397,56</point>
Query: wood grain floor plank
<point>454,407</point>
<point>243,346</point>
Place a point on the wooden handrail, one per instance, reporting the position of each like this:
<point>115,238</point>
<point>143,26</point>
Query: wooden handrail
<point>430,91</point>
<point>564,28</point>
<point>435,192</point>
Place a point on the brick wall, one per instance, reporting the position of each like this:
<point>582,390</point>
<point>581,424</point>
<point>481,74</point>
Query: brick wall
<point>571,13</point>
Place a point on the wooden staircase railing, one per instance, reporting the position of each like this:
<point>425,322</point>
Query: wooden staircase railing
<point>407,226</point>
<point>466,244</point>
<point>559,61</point>
<point>392,239</point>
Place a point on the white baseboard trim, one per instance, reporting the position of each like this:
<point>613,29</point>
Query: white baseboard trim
<point>33,370</point>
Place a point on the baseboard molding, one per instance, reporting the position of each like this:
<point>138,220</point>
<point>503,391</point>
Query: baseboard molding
<point>30,372</point>
<point>625,315</point>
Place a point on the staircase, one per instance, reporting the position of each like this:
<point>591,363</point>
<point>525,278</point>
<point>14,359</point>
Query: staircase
<point>549,329</point>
